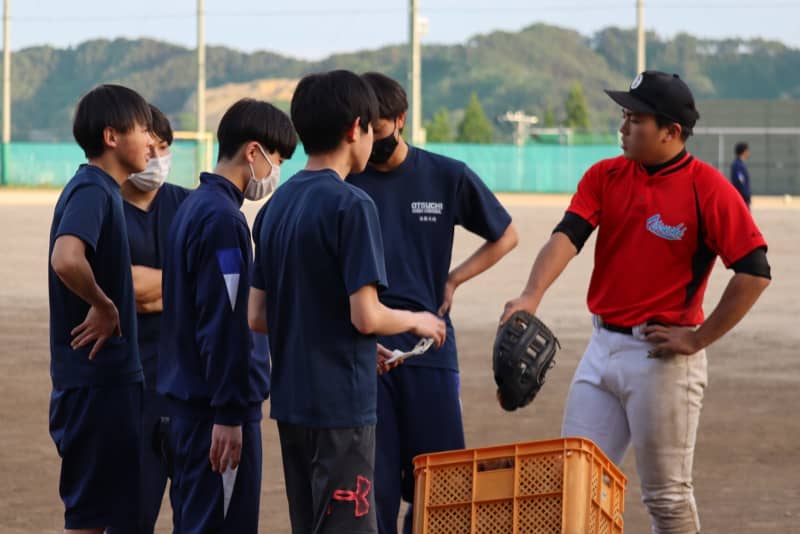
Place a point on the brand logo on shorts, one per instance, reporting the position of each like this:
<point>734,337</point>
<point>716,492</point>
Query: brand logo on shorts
<point>427,211</point>
<point>359,496</point>
<point>672,233</point>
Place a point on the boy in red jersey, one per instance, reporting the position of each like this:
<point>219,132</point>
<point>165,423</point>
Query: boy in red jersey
<point>663,218</point>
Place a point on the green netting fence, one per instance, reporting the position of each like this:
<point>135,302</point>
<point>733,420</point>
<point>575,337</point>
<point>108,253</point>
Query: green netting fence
<point>504,168</point>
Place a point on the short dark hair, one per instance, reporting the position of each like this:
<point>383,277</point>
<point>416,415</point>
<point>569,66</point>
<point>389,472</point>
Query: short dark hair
<point>325,105</point>
<point>392,99</point>
<point>107,106</point>
<point>161,127</point>
<point>741,148</point>
<point>663,121</point>
<point>255,120</point>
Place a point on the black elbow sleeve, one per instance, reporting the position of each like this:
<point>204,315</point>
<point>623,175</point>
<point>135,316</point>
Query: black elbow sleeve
<point>576,228</point>
<point>755,264</point>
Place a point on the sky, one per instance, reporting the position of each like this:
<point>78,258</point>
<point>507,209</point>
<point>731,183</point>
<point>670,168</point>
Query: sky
<point>313,29</point>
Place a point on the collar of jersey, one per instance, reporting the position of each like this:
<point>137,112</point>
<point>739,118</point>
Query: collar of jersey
<point>669,167</point>
<point>153,202</point>
<point>94,169</point>
<point>306,174</point>
<point>215,181</point>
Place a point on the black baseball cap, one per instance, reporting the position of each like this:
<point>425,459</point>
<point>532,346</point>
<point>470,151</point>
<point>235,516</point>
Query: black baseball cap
<point>659,93</point>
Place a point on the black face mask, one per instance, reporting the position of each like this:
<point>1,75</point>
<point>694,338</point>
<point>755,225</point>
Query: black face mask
<point>382,149</point>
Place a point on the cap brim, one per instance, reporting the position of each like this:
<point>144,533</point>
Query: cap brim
<point>629,101</point>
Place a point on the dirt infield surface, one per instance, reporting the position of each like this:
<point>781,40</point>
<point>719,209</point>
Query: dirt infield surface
<point>747,467</point>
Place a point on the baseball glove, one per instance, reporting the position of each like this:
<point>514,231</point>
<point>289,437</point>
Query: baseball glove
<point>524,351</point>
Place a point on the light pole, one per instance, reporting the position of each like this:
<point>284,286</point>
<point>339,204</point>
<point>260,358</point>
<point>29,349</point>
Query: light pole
<point>6,89</point>
<point>414,72</point>
<point>522,123</point>
<point>640,38</point>
<point>201,85</point>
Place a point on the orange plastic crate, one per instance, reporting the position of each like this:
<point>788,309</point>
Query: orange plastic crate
<point>564,485</point>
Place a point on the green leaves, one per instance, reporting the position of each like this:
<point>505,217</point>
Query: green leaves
<point>475,128</point>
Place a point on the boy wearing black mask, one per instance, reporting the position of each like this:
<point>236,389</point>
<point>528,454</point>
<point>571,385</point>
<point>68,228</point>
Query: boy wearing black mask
<point>421,197</point>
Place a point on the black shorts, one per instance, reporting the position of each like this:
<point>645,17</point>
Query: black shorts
<point>329,476</point>
<point>98,436</point>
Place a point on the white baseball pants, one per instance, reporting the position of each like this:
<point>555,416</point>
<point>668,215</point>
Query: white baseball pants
<point>620,397</point>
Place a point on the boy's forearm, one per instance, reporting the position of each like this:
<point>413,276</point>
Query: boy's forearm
<point>76,273</point>
<point>153,306</point>
<point>549,264</point>
<point>741,293</point>
<point>257,311</point>
<point>390,321</point>
<point>146,283</point>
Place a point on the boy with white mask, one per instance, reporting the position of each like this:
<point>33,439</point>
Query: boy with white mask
<point>213,380</point>
<point>150,203</point>
<point>155,174</point>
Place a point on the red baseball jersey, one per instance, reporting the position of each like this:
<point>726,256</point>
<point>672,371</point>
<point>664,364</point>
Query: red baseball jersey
<point>659,236</point>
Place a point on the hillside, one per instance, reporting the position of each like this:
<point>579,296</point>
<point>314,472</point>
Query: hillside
<point>529,70</point>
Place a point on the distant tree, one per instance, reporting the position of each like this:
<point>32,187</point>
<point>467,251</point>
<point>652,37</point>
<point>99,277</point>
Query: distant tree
<point>438,130</point>
<point>549,120</point>
<point>186,121</point>
<point>475,128</point>
<point>576,108</point>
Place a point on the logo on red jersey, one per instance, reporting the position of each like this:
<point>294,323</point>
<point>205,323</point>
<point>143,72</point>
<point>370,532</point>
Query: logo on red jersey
<point>658,227</point>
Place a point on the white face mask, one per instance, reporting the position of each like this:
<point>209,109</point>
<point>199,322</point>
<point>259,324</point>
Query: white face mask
<point>259,188</point>
<point>154,175</point>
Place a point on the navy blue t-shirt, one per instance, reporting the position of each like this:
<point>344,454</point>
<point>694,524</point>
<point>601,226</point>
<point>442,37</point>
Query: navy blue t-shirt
<point>318,241</point>
<point>205,356</point>
<point>147,236</point>
<point>419,204</point>
<point>90,208</point>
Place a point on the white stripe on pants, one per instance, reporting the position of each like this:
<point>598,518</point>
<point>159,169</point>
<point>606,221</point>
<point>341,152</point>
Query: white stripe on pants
<point>620,397</point>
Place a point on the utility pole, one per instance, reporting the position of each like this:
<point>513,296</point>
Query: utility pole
<point>201,85</point>
<point>640,38</point>
<point>6,72</point>
<point>6,90</point>
<point>523,123</point>
<point>414,72</point>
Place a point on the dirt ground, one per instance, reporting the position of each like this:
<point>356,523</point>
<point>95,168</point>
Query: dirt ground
<point>747,467</point>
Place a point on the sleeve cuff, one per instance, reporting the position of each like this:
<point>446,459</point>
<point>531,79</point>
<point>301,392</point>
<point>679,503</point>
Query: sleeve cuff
<point>500,229</point>
<point>83,236</point>
<point>755,263</point>
<point>257,284</point>
<point>576,228</point>
<point>230,415</point>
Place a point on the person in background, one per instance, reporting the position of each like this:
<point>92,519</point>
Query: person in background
<point>740,176</point>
